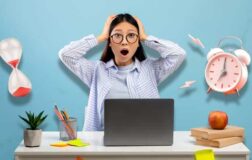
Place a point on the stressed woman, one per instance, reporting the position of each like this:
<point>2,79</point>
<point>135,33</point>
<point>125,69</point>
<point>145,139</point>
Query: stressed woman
<point>123,70</point>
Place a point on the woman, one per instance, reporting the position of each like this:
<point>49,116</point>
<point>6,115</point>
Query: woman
<point>123,71</point>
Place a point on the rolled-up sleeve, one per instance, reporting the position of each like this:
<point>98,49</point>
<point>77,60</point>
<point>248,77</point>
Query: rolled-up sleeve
<point>72,55</point>
<point>171,57</point>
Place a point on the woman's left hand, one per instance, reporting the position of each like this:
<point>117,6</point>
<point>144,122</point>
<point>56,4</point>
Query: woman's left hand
<point>143,35</point>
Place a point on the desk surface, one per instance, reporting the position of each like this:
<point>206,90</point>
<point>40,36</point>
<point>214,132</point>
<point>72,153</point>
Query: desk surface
<point>183,144</point>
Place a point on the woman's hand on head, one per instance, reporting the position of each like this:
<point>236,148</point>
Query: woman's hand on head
<point>143,35</point>
<point>105,33</point>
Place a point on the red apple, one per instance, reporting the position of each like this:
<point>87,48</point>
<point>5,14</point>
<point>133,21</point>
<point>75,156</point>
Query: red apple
<point>218,119</point>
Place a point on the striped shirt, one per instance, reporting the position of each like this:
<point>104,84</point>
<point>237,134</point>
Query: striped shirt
<point>119,88</point>
<point>142,82</point>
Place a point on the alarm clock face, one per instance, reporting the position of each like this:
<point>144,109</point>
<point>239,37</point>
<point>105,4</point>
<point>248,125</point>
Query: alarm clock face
<point>223,72</point>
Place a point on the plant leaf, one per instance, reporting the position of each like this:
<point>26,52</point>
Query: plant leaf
<point>41,120</point>
<point>34,120</point>
<point>28,115</point>
<point>44,118</point>
<point>24,119</point>
<point>33,117</point>
<point>37,118</point>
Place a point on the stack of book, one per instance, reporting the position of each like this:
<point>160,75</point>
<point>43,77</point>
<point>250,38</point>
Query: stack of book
<point>218,138</point>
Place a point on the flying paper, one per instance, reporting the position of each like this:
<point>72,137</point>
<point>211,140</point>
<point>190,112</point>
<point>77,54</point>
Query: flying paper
<point>196,41</point>
<point>187,84</point>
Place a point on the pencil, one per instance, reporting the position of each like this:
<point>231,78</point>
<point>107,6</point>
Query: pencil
<point>68,128</point>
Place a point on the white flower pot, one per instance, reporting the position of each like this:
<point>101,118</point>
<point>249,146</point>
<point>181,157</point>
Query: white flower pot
<point>32,138</point>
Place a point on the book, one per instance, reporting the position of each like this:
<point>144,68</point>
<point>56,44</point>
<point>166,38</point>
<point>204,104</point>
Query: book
<point>222,142</point>
<point>209,133</point>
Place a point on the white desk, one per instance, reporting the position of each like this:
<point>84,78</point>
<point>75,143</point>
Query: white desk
<point>182,149</point>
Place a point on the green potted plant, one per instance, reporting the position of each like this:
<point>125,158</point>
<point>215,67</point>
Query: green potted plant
<point>32,135</point>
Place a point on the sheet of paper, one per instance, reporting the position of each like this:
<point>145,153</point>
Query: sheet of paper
<point>196,41</point>
<point>187,84</point>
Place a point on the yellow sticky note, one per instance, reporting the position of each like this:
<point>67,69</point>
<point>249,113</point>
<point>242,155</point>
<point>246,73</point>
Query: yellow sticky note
<point>59,144</point>
<point>77,142</point>
<point>206,154</point>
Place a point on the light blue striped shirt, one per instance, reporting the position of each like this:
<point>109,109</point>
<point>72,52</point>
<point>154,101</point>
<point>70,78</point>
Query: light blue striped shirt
<point>142,82</point>
<point>119,88</point>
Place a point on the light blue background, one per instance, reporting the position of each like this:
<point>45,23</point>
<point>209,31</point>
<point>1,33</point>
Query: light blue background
<point>44,27</point>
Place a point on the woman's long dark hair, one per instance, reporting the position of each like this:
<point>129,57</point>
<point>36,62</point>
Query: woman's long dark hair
<point>108,53</point>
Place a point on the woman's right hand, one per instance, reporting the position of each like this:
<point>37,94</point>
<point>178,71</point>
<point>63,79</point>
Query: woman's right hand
<point>105,33</point>
<point>143,35</point>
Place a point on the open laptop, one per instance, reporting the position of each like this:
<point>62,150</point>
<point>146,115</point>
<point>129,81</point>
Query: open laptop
<point>138,122</point>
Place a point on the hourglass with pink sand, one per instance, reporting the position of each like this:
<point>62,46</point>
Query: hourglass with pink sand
<point>11,52</point>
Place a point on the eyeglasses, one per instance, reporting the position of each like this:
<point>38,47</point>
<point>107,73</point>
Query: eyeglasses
<point>118,38</point>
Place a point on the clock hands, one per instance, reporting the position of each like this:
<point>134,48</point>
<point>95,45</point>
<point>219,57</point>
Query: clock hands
<point>224,65</point>
<point>223,71</point>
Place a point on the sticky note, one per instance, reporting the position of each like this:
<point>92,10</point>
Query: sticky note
<point>206,154</point>
<point>77,142</point>
<point>59,144</point>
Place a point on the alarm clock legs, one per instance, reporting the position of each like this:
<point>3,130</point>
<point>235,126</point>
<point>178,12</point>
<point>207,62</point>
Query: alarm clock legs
<point>237,91</point>
<point>209,90</point>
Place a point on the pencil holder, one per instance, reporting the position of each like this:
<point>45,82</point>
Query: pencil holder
<point>68,129</point>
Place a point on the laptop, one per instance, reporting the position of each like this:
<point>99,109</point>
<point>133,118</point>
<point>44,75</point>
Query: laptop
<point>138,122</point>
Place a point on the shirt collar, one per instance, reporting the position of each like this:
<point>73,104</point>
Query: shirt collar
<point>111,65</point>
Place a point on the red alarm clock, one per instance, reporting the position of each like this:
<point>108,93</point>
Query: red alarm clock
<point>227,72</point>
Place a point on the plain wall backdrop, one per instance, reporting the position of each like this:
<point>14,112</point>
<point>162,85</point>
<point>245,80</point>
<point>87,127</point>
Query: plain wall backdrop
<point>44,27</point>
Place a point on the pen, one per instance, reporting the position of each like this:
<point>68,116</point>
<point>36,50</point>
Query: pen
<point>68,128</point>
<point>66,114</point>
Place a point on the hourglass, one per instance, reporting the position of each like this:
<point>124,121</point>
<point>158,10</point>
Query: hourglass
<point>11,51</point>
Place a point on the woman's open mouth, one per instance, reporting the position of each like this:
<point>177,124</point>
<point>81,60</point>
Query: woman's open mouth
<point>124,52</point>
